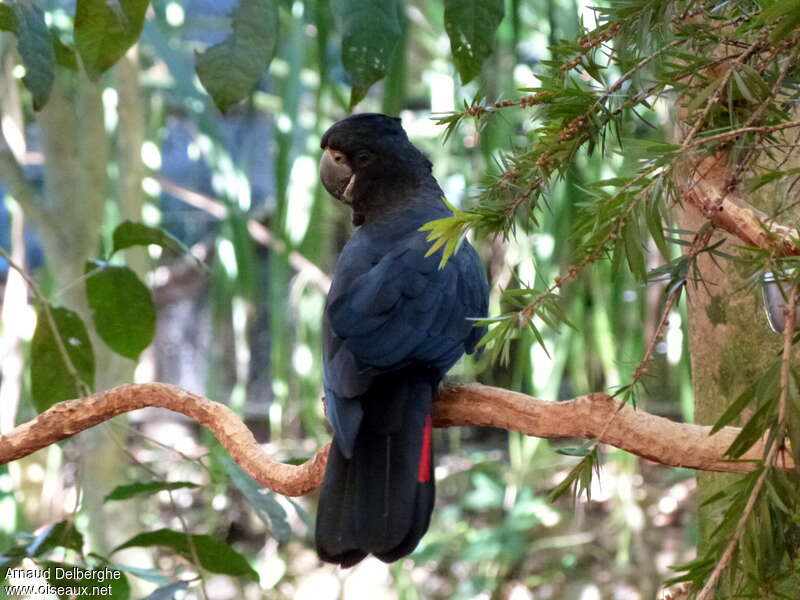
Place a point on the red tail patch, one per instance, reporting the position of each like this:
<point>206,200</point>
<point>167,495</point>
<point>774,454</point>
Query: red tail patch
<point>425,453</point>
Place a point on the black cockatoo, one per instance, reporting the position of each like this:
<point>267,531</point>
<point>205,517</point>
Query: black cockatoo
<point>394,324</point>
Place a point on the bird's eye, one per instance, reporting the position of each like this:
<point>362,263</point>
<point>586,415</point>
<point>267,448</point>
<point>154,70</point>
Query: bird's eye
<point>338,158</point>
<point>363,157</point>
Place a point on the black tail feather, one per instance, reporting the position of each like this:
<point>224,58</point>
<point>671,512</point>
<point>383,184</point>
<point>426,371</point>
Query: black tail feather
<point>378,502</point>
<point>423,506</point>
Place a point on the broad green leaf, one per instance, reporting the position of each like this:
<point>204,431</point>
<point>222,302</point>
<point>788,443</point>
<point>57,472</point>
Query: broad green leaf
<point>51,379</point>
<point>80,583</point>
<point>230,70</point>
<point>471,26</point>
<point>58,535</point>
<point>370,30</point>
<point>8,21</point>
<point>263,501</point>
<point>122,308</point>
<point>105,30</point>
<point>65,55</point>
<point>214,556</point>
<point>131,490</point>
<point>168,591</point>
<point>151,575</point>
<point>36,49</point>
<point>130,233</point>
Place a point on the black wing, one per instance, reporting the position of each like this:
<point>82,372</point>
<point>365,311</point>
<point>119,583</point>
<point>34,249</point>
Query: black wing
<point>399,310</point>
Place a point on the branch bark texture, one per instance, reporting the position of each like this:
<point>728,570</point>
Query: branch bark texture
<point>643,434</point>
<point>706,190</point>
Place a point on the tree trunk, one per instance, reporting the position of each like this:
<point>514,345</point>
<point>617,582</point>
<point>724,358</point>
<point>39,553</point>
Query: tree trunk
<point>76,151</point>
<point>730,341</point>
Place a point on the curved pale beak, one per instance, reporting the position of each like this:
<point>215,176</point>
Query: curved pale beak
<point>336,175</point>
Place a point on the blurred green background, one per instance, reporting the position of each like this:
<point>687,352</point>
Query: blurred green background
<point>241,191</point>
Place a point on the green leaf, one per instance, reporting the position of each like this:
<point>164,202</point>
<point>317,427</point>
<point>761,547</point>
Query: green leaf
<point>81,583</point>
<point>763,179</point>
<point>643,149</point>
<point>471,26</point>
<point>444,232</point>
<point>230,70</point>
<point>775,496</point>
<point>580,451</point>
<point>51,379</point>
<point>8,22</point>
<point>734,409</point>
<point>370,30</point>
<point>65,55</point>
<point>699,568</point>
<point>634,247</point>
<point>448,232</point>
<point>786,13</point>
<point>753,429</point>
<point>150,575</point>
<point>58,535</point>
<point>579,479</point>
<point>131,233</point>
<point>755,83</point>
<point>214,556</point>
<point>36,49</point>
<point>703,96</point>
<point>122,307</point>
<point>263,501</point>
<point>131,490</point>
<point>105,30</point>
<point>656,228</point>
<point>741,85</point>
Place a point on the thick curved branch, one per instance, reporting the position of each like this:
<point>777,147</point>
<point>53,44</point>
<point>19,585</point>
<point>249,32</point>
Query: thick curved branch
<point>707,190</point>
<point>643,434</point>
<point>65,419</point>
